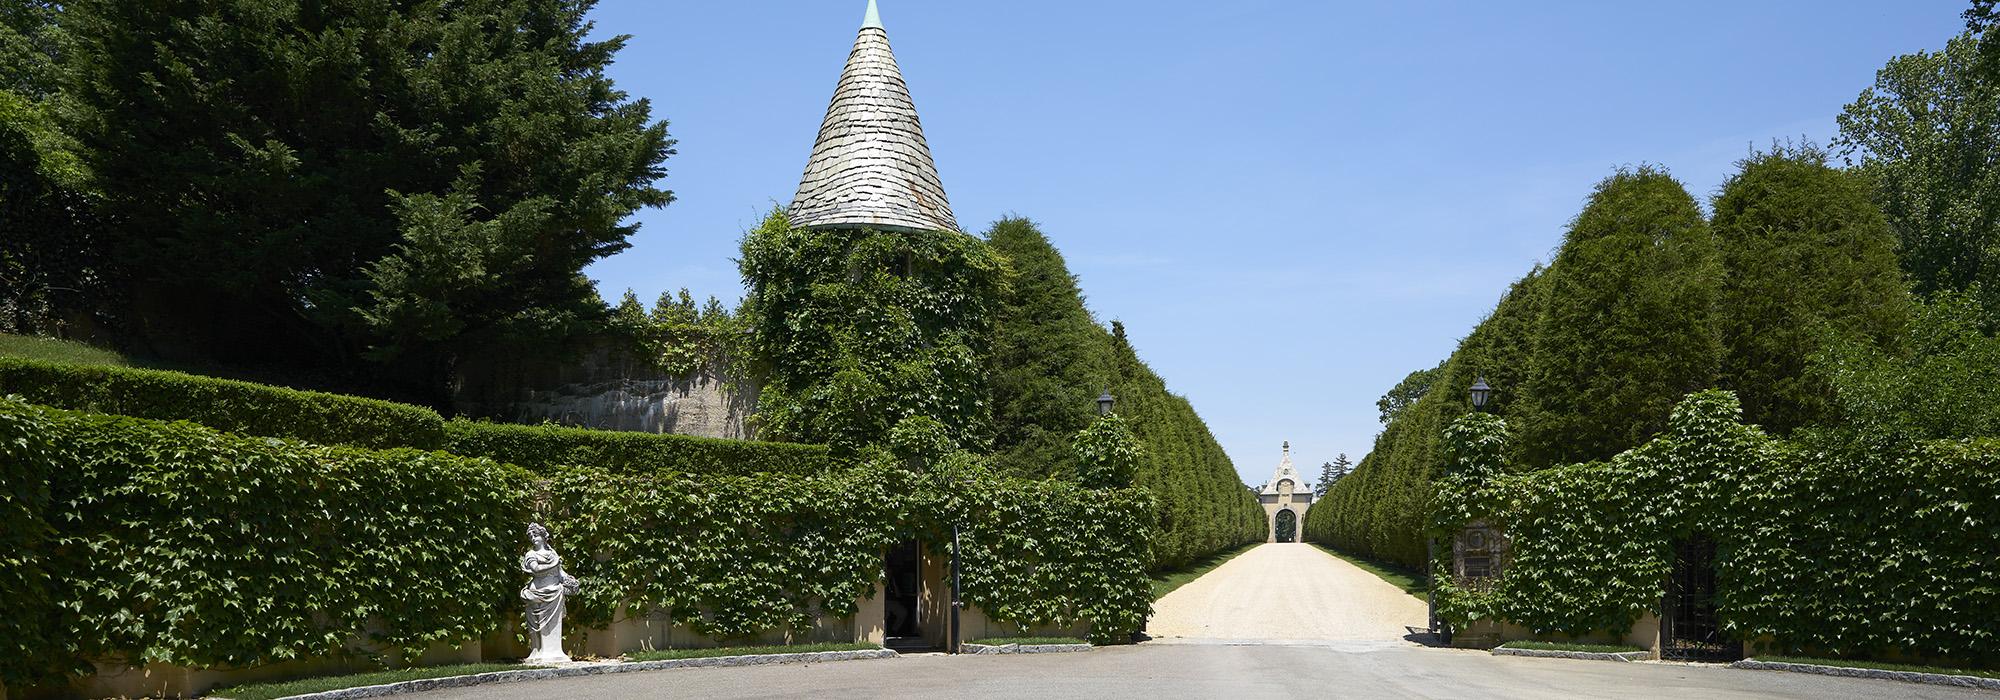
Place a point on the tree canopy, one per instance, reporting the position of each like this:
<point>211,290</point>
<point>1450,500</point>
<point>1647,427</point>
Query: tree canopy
<point>321,182</point>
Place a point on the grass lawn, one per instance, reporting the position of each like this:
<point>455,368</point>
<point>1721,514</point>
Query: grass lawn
<point>267,691</point>
<point>1410,581</point>
<point>1025,641</point>
<point>1569,646</point>
<point>1166,582</point>
<point>1879,666</point>
<point>667,654</point>
<point>52,350</point>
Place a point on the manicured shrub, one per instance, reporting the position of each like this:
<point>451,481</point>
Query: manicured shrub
<point>1056,553</point>
<point>227,405</point>
<point>26,612</point>
<point>541,448</point>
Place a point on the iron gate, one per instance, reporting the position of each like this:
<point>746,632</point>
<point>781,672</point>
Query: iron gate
<point>1689,627</point>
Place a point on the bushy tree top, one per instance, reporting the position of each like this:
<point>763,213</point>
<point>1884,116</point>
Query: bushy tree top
<point>1627,327</point>
<point>1805,252</point>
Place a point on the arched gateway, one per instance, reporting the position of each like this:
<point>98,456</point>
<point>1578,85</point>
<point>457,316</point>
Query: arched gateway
<point>1286,498</point>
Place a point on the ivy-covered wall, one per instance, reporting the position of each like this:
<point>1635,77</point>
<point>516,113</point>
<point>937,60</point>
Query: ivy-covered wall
<point>1824,546</point>
<point>180,544</point>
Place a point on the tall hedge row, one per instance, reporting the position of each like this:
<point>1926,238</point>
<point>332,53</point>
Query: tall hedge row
<point>238,407</point>
<point>1052,358</point>
<point>1825,546</point>
<point>177,543</point>
<point>542,447</point>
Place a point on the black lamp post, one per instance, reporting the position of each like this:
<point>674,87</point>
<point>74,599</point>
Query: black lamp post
<point>1481,393</point>
<point>1105,402</point>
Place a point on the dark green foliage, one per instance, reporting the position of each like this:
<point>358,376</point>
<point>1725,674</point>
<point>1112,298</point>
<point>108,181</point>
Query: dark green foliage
<point>238,407</point>
<point>1331,473</point>
<point>1826,547</point>
<point>1204,507</point>
<point>730,556</point>
<point>1407,392</point>
<point>26,609</point>
<point>1050,357</point>
<point>1805,253</point>
<point>1052,553</point>
<point>856,331</point>
<point>1378,511</point>
<point>1628,322</point>
<point>48,254</point>
<point>545,447</point>
<point>1925,134</point>
<point>1938,382</point>
<point>1107,456</point>
<point>178,544</point>
<point>303,182</point>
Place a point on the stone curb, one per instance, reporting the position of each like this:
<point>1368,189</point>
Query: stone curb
<point>577,671</point>
<point>1846,672</point>
<point>987,649</point>
<point>1622,656</point>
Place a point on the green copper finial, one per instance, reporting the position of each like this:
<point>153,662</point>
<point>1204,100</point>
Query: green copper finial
<point>874,19</point>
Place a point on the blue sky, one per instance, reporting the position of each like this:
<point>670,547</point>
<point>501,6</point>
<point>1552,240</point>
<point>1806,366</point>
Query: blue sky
<point>1290,204</point>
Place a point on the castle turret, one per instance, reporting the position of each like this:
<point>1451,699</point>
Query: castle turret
<point>871,167</point>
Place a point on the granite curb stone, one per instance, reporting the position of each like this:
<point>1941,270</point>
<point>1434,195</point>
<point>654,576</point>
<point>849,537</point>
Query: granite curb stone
<point>1850,672</point>
<point>1621,656</point>
<point>586,669</point>
<point>988,649</point>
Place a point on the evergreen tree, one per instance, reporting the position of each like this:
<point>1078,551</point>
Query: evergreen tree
<point>312,181</point>
<point>1330,473</point>
<point>1628,324</point>
<point>1050,357</point>
<point>1804,252</point>
<point>1925,134</point>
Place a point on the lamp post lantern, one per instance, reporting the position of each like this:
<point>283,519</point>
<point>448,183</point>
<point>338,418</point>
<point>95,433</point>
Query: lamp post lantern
<point>1105,402</point>
<point>1481,393</point>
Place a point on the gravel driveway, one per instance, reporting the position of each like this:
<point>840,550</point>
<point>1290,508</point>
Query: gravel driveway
<point>1286,591</point>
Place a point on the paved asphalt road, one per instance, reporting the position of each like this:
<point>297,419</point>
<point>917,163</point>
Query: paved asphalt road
<point>1211,670</point>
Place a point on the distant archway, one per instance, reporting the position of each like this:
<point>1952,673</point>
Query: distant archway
<point>1286,529</point>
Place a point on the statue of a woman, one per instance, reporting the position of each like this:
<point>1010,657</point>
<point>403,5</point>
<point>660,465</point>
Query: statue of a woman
<point>547,595</point>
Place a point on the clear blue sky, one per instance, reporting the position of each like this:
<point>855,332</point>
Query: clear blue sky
<point>1290,204</point>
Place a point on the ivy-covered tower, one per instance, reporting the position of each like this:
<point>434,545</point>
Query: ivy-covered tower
<point>871,167</point>
<point>873,311</point>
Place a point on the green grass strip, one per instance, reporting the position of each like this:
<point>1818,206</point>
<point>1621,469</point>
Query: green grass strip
<point>1879,666</point>
<point>1026,641</point>
<point>1570,646</point>
<point>1410,581</point>
<point>670,654</point>
<point>52,350</point>
<point>270,691</point>
<point>1165,582</point>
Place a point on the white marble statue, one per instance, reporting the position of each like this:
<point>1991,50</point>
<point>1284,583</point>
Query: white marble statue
<point>547,595</point>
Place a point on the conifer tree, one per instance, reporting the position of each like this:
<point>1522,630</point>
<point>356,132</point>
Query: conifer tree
<point>1628,323</point>
<point>1805,252</point>
<point>316,182</point>
<point>1050,358</point>
<point>1330,473</point>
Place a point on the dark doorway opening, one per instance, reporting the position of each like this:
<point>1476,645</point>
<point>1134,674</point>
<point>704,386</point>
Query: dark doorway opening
<point>903,569</point>
<point>1690,630</point>
<point>1287,527</point>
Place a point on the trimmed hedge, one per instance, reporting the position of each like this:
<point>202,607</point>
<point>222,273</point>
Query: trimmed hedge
<point>179,544</point>
<point>227,405</point>
<point>543,448</point>
<point>1838,548</point>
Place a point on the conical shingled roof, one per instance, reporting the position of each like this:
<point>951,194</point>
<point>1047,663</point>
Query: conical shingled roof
<point>871,167</point>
